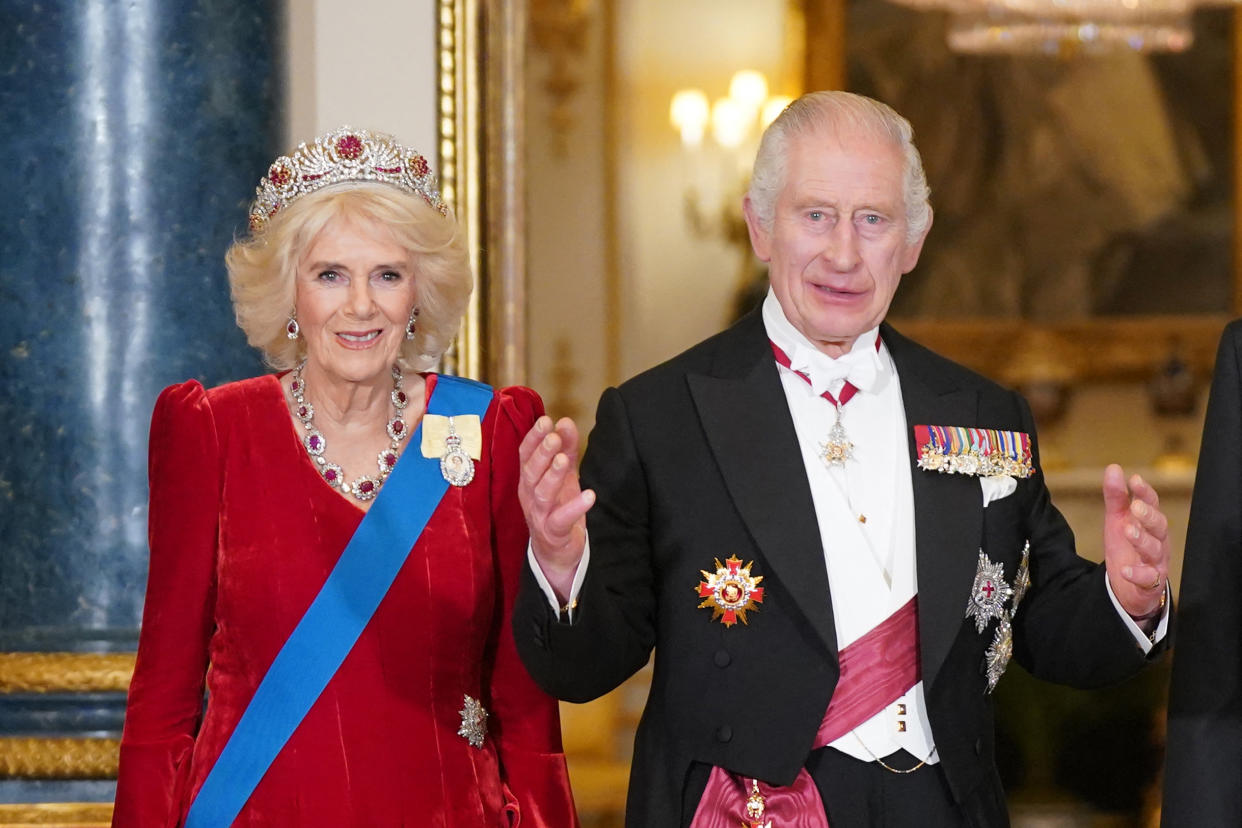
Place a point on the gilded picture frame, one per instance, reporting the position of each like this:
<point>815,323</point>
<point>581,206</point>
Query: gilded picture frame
<point>481,104</point>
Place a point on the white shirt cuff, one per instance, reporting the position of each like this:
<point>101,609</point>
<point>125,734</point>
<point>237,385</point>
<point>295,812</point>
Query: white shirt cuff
<point>1145,641</point>
<point>574,587</point>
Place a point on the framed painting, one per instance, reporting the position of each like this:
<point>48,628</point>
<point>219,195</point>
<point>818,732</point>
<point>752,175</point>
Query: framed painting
<point>1084,204</point>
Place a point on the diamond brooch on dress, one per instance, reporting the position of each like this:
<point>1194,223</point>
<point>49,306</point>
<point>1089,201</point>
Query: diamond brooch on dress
<point>473,722</point>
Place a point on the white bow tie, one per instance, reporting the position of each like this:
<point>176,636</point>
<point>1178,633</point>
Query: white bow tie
<point>859,367</point>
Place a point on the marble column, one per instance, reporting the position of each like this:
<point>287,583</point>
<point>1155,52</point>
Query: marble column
<point>134,135</point>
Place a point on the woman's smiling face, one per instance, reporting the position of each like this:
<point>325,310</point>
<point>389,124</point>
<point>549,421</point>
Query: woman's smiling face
<point>355,291</point>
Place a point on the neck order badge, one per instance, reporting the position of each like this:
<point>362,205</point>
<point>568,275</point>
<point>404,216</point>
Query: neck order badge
<point>837,448</point>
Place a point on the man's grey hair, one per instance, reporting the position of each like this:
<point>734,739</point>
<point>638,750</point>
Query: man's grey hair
<point>817,110</point>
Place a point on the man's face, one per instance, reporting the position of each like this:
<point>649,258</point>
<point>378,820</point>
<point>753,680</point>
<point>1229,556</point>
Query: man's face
<point>837,246</point>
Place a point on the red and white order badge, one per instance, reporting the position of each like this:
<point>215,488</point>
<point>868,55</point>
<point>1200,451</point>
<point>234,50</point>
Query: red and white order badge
<point>731,592</point>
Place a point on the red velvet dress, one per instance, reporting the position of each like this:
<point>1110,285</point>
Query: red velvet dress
<point>243,534</point>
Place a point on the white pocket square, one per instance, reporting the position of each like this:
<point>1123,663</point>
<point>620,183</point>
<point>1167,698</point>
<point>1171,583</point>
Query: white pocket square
<point>994,488</point>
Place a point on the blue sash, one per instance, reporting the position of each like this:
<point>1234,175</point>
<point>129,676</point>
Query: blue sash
<point>327,632</point>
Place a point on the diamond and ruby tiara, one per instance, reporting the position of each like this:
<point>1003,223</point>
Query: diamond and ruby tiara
<point>340,157</point>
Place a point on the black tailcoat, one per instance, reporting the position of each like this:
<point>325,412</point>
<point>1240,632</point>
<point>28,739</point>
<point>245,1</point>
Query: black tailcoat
<point>1203,769</point>
<point>697,460</point>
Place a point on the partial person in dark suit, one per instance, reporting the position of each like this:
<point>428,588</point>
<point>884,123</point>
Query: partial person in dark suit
<point>833,538</point>
<point>1203,763</point>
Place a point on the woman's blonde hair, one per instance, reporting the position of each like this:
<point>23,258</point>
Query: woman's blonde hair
<point>262,268</point>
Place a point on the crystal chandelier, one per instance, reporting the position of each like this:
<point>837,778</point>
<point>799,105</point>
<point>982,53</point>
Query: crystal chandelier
<point>1067,27</point>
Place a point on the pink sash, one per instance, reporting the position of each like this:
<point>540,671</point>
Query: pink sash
<point>875,671</point>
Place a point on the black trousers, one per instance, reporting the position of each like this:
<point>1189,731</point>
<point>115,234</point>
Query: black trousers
<point>865,795</point>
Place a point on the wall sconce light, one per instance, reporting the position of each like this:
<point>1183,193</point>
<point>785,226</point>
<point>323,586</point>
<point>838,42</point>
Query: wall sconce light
<point>721,166</point>
<point>559,30</point>
<point>689,113</point>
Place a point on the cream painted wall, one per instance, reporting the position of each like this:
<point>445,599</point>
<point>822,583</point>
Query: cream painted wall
<point>1114,423</point>
<point>367,63</point>
<point>567,233</point>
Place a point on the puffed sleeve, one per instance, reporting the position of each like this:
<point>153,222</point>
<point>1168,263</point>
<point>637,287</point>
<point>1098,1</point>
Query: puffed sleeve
<point>526,721</point>
<point>166,693</point>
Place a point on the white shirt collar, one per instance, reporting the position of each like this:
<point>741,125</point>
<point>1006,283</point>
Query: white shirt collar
<point>862,364</point>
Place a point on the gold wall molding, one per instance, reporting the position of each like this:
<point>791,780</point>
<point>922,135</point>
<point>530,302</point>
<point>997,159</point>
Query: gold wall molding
<point>559,31</point>
<point>1092,350</point>
<point>57,815</point>
<point>65,672</point>
<point>824,54</point>
<point>562,402</point>
<point>63,758</point>
<point>60,758</point>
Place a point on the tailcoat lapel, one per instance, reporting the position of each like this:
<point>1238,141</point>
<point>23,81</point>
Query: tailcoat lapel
<point>948,509</point>
<point>741,406</point>
<point>746,420</point>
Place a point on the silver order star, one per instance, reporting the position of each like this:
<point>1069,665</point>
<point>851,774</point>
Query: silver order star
<point>988,593</point>
<point>999,653</point>
<point>1022,580</point>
